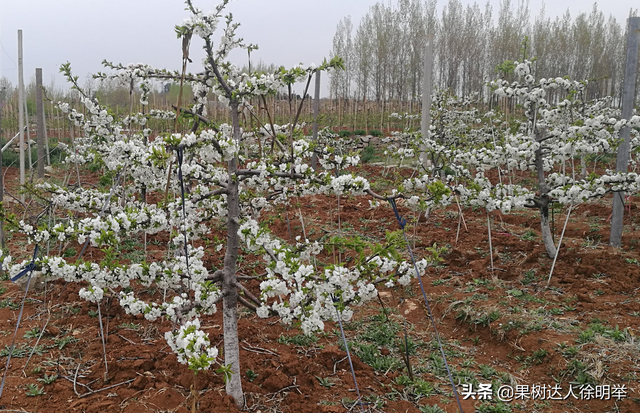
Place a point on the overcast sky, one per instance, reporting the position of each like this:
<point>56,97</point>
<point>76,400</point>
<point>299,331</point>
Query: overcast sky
<point>84,32</point>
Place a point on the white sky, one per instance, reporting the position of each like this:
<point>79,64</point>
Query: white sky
<point>84,32</point>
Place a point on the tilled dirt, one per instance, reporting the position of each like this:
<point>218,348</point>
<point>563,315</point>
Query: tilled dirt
<point>506,318</point>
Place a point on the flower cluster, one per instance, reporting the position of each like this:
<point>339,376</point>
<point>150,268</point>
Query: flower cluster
<point>192,346</point>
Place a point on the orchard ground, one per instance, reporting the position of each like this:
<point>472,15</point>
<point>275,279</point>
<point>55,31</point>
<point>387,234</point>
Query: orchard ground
<point>504,325</point>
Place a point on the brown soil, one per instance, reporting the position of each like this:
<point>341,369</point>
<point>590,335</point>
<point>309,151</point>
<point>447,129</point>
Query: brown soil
<point>591,281</point>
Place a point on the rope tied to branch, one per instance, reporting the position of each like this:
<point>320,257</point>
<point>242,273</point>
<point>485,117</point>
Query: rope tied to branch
<point>401,221</point>
<point>29,267</point>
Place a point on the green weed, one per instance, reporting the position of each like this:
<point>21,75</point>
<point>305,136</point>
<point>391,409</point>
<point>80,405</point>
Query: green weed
<point>48,379</point>
<point>33,333</point>
<point>325,382</point>
<point>33,390</point>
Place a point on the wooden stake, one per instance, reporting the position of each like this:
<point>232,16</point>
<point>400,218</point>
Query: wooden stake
<point>559,242</point>
<point>304,232</point>
<point>462,215</point>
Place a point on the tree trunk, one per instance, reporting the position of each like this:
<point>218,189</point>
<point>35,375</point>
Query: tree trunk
<point>546,231</point>
<point>543,201</point>
<point>229,290</point>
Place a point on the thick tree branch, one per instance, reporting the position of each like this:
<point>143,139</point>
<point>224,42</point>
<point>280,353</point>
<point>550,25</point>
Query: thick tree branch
<point>216,71</point>
<point>248,293</point>
<point>216,276</point>
<point>247,304</point>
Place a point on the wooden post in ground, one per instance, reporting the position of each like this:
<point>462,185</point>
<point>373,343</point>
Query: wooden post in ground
<point>21,111</point>
<point>628,99</point>
<point>40,120</point>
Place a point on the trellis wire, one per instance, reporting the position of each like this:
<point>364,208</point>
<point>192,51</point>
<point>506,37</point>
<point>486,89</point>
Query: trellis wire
<point>84,248</point>
<point>402,222</point>
<point>35,346</point>
<point>184,213</point>
<point>346,347</point>
<point>104,346</point>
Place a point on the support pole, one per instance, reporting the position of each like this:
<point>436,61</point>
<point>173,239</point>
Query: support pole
<point>40,120</point>
<point>316,112</point>
<point>426,97</point>
<point>628,99</point>
<point>21,111</point>
<point>46,137</point>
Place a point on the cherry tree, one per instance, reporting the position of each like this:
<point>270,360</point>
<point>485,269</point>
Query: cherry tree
<point>214,183</point>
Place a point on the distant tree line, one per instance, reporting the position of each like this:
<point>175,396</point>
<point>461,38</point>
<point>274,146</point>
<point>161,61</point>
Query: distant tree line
<point>384,54</point>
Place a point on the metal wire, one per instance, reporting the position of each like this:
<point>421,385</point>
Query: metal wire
<point>402,222</point>
<point>346,346</point>
<point>184,213</point>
